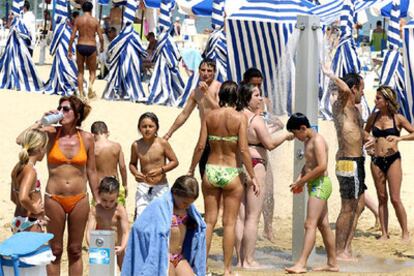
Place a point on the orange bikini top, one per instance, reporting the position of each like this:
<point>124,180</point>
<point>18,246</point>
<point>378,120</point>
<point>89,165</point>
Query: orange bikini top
<point>57,157</point>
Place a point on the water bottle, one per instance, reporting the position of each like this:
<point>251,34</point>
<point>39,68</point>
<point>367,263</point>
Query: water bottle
<point>51,119</point>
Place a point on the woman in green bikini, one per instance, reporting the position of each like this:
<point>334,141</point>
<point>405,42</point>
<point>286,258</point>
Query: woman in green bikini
<point>227,136</point>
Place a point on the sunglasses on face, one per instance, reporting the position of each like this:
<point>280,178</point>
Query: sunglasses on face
<point>65,108</point>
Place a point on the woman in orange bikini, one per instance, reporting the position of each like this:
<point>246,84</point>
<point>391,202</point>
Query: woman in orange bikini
<point>71,164</point>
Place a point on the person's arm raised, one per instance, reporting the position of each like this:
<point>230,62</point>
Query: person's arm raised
<point>343,89</point>
<point>264,136</point>
<point>182,117</point>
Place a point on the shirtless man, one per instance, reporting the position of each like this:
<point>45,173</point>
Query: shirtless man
<point>88,27</point>
<point>349,158</point>
<point>205,97</point>
<point>108,155</point>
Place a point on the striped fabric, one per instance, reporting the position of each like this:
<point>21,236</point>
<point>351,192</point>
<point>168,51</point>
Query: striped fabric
<point>345,60</point>
<point>124,57</point>
<point>257,36</point>
<point>216,49</point>
<point>166,84</point>
<point>409,68</point>
<point>17,70</point>
<point>392,73</point>
<point>63,74</point>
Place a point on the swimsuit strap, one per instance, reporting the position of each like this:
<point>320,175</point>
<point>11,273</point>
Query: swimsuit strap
<point>233,138</point>
<point>251,119</point>
<point>178,220</point>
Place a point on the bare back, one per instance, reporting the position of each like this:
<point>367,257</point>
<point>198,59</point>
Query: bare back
<point>87,27</point>
<point>107,158</point>
<point>224,122</point>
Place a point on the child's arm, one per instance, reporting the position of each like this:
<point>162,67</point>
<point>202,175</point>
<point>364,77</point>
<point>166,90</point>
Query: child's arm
<point>198,151</point>
<point>322,164</point>
<point>172,160</point>
<point>122,170</point>
<point>29,177</point>
<point>91,224</point>
<point>123,219</point>
<point>133,163</point>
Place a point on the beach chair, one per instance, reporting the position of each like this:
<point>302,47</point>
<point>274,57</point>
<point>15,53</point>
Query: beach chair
<point>25,254</point>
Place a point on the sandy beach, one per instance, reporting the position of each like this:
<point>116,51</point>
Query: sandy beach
<point>20,109</point>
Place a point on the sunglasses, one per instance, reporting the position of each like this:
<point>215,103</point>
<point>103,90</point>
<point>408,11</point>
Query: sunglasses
<point>65,108</point>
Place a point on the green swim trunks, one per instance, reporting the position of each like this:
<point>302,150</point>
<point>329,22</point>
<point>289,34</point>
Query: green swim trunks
<point>320,188</point>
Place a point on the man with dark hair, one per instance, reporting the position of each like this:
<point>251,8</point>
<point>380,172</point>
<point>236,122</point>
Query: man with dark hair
<point>349,158</point>
<point>29,20</point>
<point>88,27</point>
<point>379,37</point>
<point>253,76</point>
<point>205,97</point>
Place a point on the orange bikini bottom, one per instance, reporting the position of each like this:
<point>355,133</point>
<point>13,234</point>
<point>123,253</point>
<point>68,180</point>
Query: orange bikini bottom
<point>67,202</point>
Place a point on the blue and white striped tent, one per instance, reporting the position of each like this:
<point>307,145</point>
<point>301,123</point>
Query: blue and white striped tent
<point>125,53</point>
<point>384,8</point>
<point>17,70</point>
<point>166,84</point>
<point>409,68</point>
<point>392,73</point>
<point>345,60</point>
<point>196,7</point>
<point>216,49</point>
<point>63,74</point>
<point>257,36</point>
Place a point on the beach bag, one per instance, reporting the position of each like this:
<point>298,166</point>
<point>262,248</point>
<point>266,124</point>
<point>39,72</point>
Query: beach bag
<point>25,253</point>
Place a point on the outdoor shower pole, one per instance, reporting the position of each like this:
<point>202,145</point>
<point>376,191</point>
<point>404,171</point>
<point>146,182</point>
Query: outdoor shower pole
<point>306,102</point>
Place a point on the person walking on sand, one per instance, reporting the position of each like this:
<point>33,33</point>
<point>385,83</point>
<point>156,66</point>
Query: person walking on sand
<point>386,124</point>
<point>205,97</point>
<point>87,27</point>
<point>314,174</point>
<point>350,169</point>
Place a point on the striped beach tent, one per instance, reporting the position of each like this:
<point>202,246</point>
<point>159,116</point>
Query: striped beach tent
<point>392,73</point>
<point>196,7</point>
<point>384,8</point>
<point>257,36</point>
<point>17,70</point>
<point>63,74</point>
<point>408,54</point>
<point>216,49</point>
<point>166,84</point>
<point>124,57</point>
<point>345,59</point>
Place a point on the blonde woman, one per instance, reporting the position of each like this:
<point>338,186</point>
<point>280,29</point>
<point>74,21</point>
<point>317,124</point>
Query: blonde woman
<point>386,124</point>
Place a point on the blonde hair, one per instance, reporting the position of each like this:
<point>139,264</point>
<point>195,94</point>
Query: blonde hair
<point>390,97</point>
<point>33,141</point>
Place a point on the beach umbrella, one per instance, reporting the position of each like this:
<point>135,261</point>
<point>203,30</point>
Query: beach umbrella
<point>166,84</point>
<point>196,7</point>
<point>384,8</point>
<point>392,72</point>
<point>345,59</point>
<point>124,56</point>
<point>63,74</point>
<point>409,67</point>
<point>17,70</point>
<point>216,49</point>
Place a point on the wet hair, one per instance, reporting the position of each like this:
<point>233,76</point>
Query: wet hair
<point>296,121</point>
<point>33,141</point>
<point>80,108</point>
<point>151,116</point>
<point>228,94</point>
<point>352,79</point>
<point>26,5</point>
<point>99,127</point>
<point>244,93</point>
<point>185,186</point>
<point>109,184</point>
<point>390,97</point>
<point>252,73</point>
<point>209,62</point>
<point>87,6</point>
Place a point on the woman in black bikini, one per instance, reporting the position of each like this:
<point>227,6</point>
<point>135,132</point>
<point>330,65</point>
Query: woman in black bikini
<point>386,124</point>
<point>260,141</point>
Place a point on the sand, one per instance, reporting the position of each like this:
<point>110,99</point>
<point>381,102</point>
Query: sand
<point>20,109</point>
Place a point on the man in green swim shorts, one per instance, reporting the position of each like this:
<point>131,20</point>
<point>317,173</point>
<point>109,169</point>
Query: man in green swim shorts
<point>319,188</point>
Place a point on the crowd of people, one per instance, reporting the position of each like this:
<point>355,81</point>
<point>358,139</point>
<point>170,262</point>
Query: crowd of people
<point>168,234</point>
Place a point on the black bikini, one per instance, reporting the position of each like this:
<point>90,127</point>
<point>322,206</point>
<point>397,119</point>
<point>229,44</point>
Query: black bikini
<point>385,162</point>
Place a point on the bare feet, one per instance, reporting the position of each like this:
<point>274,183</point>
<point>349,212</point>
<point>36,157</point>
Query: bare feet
<point>327,268</point>
<point>346,257</point>
<point>405,237</point>
<point>383,238</point>
<point>296,269</point>
<point>91,93</point>
<point>268,235</point>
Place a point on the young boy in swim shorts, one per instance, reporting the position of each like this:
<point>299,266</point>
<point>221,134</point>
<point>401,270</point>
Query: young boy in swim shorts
<point>319,188</point>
